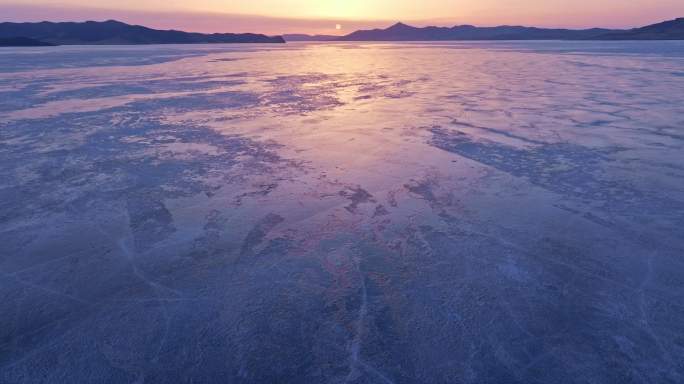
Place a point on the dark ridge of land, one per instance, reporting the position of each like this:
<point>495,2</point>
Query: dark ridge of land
<point>305,37</point>
<point>113,32</point>
<point>23,42</point>
<point>669,30</point>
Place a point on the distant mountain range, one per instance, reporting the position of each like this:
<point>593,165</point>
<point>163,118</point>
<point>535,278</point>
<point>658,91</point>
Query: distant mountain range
<point>115,32</point>
<point>668,30</point>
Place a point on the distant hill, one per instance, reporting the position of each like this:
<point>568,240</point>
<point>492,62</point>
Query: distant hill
<point>22,42</point>
<point>669,30</point>
<point>115,32</point>
<point>403,32</point>
<point>302,37</point>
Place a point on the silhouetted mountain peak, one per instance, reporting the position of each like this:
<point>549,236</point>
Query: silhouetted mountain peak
<point>667,30</point>
<point>676,23</point>
<point>400,27</point>
<point>110,22</point>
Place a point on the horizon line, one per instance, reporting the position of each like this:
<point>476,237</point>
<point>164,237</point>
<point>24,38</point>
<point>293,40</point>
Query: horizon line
<point>223,22</point>
<point>388,25</point>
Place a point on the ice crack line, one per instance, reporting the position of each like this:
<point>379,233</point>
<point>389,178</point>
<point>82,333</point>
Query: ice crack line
<point>643,309</point>
<point>355,359</point>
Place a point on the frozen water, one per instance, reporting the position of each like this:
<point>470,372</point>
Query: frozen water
<point>363,213</point>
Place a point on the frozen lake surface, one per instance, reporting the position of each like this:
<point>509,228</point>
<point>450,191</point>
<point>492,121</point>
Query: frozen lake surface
<point>346,213</point>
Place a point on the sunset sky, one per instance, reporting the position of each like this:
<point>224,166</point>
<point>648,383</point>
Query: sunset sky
<point>321,16</point>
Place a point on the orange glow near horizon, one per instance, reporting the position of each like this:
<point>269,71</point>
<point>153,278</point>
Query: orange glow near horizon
<point>284,16</point>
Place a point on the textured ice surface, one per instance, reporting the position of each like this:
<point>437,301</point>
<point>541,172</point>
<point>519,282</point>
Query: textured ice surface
<point>344,213</point>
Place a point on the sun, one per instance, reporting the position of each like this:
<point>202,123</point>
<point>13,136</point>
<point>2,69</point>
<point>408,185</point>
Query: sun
<point>338,26</point>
